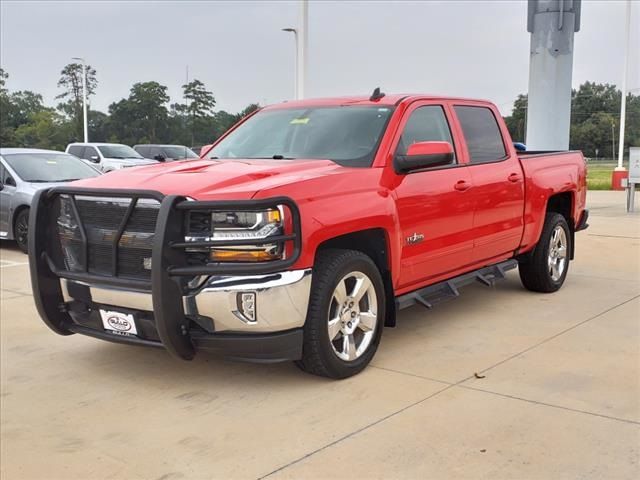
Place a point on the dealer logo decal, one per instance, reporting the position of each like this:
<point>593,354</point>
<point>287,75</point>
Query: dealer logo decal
<point>118,323</point>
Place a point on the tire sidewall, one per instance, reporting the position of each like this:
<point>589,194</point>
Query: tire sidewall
<point>21,213</point>
<point>339,367</point>
<point>555,221</point>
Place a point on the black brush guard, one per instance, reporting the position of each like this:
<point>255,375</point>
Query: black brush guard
<point>170,271</point>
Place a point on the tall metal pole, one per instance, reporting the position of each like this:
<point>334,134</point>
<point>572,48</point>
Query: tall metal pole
<point>625,71</point>
<point>84,98</point>
<point>302,49</point>
<point>296,79</point>
<point>552,24</point>
<point>613,140</point>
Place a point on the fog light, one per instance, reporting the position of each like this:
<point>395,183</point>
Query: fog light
<point>247,307</point>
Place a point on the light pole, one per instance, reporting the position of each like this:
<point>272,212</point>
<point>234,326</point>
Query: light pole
<point>297,80</point>
<point>300,35</point>
<point>84,98</point>
<point>625,71</point>
<point>613,141</point>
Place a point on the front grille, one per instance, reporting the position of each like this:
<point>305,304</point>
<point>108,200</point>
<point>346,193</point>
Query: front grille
<point>103,221</point>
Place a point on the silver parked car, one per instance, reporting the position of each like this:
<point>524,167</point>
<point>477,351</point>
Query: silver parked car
<point>23,171</point>
<point>108,156</point>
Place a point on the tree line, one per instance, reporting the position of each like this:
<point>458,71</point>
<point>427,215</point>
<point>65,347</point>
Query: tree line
<point>595,120</point>
<point>145,116</point>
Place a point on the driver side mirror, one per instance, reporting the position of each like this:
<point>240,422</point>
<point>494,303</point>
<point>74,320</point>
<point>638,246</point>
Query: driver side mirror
<point>94,158</point>
<point>9,182</point>
<point>422,155</point>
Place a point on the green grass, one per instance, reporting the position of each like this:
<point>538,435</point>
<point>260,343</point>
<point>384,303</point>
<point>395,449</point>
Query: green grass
<point>599,176</point>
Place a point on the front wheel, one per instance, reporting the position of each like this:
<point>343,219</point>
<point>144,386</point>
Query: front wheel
<point>546,269</point>
<point>21,230</point>
<point>345,316</point>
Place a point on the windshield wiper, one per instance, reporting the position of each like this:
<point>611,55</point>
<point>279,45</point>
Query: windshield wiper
<point>67,180</point>
<point>273,157</point>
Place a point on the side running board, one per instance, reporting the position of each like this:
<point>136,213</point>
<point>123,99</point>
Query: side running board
<point>439,292</point>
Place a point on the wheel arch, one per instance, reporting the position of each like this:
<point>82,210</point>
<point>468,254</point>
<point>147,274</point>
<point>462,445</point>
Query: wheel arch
<point>14,217</point>
<point>563,203</point>
<point>374,243</point>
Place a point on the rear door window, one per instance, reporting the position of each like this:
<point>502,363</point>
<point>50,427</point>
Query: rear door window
<point>156,151</point>
<point>481,131</point>
<point>144,151</point>
<point>90,152</point>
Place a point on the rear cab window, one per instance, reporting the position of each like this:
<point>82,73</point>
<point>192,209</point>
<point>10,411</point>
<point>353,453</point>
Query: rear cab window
<point>482,134</point>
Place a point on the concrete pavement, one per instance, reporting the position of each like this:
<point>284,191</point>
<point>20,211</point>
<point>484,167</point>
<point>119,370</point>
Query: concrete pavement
<point>558,397</point>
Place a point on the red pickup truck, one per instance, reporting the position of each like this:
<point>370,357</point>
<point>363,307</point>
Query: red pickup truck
<point>300,233</point>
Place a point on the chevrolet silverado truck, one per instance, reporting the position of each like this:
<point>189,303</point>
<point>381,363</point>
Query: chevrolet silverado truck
<point>303,230</point>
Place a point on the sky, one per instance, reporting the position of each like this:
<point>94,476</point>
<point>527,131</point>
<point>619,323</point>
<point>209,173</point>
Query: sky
<point>463,48</point>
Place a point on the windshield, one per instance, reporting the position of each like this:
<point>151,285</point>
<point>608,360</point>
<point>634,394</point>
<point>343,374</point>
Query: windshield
<point>118,151</point>
<point>348,135</point>
<point>49,167</point>
<point>178,153</point>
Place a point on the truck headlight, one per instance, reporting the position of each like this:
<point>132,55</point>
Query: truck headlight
<point>228,227</point>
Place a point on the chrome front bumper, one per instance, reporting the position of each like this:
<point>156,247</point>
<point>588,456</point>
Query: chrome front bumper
<point>281,300</point>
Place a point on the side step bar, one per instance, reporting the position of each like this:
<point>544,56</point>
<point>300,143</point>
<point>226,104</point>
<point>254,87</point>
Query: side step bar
<point>439,292</point>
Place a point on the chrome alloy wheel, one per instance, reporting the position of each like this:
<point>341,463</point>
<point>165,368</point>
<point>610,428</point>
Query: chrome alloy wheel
<point>557,261</point>
<point>353,315</point>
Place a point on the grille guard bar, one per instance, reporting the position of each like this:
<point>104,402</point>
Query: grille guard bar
<point>170,271</point>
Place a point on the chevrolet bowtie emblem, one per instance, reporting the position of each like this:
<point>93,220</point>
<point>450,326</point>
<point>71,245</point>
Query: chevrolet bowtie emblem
<point>415,238</point>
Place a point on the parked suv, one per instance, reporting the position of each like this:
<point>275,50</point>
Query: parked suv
<point>165,152</point>
<point>108,156</point>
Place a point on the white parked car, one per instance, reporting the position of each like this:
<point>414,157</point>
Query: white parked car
<point>108,156</point>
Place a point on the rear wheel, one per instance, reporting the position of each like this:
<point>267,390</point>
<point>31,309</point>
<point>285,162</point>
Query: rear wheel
<point>21,229</point>
<point>546,269</point>
<point>346,315</point>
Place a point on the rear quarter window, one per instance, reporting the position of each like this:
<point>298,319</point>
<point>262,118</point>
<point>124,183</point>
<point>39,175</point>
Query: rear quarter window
<point>482,134</point>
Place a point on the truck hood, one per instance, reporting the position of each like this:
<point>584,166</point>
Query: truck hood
<point>214,179</point>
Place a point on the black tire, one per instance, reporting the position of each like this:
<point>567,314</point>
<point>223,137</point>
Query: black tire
<point>535,273</point>
<point>21,230</point>
<point>318,355</point>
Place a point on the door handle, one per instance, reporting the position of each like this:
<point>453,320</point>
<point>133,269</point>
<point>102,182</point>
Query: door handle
<point>461,186</point>
<point>514,177</point>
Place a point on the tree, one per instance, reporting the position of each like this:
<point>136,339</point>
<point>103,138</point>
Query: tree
<point>517,121</point>
<point>142,115</point>
<point>594,114</point>
<point>196,114</point>
<point>3,77</point>
<point>71,82</point>
<point>46,129</point>
<point>98,125</point>
<point>200,101</point>
<point>149,101</point>
<point>248,110</point>
<point>17,109</point>
<point>6,132</point>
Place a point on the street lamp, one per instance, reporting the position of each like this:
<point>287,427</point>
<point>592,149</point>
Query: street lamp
<point>84,98</point>
<point>298,94</point>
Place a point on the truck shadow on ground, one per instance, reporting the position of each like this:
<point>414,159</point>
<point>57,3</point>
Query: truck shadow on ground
<point>126,363</point>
